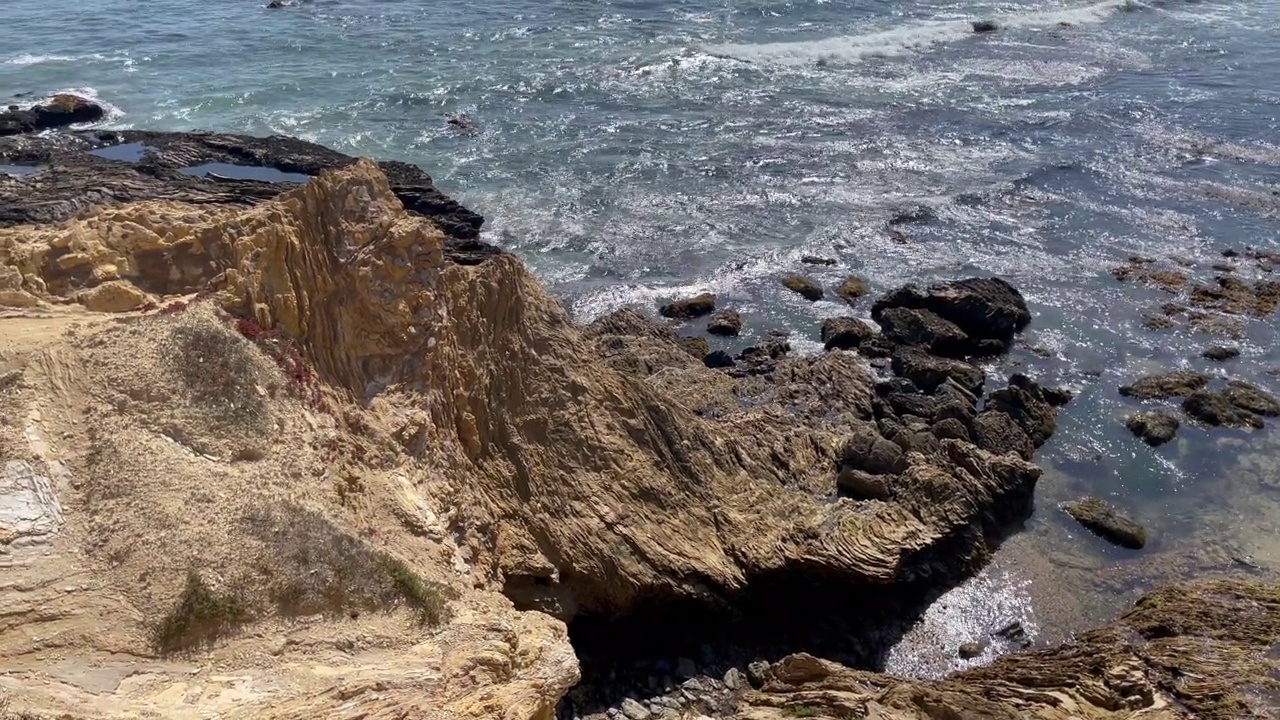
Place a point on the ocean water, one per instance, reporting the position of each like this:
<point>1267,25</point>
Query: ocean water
<point>633,151</point>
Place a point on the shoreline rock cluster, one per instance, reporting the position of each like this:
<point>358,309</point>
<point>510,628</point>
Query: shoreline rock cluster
<point>612,476</point>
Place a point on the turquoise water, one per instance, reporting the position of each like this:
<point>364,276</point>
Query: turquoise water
<point>636,150</point>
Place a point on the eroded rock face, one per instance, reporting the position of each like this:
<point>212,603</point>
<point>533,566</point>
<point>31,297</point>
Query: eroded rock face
<point>542,472</point>
<point>1220,633</point>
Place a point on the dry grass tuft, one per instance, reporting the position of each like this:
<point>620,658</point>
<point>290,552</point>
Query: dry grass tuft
<point>201,616</point>
<point>313,567</point>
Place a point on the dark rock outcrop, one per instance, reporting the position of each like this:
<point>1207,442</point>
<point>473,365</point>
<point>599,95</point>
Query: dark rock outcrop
<point>844,333</point>
<point>1156,427</point>
<point>59,111</point>
<point>928,372</point>
<point>689,308</point>
<point>1023,401</point>
<point>989,311</point>
<point>910,326</point>
<point>805,287</point>
<point>985,26</point>
<point>727,323</point>
<point>1106,522</point>
<point>718,359</point>
<point>1251,398</point>
<point>815,260</point>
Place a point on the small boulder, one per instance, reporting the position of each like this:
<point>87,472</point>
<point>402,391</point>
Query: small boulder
<point>633,710</point>
<point>851,288</point>
<point>803,286</point>
<point>951,429</point>
<point>1220,353</point>
<point>1162,386</point>
<point>1105,521</point>
<point>1021,400</point>
<point>985,26</point>
<point>844,333</point>
<point>689,308</point>
<point>757,673</point>
<point>1156,427</point>
<point>1216,408</point>
<point>718,359</point>
<point>971,650</point>
<point>725,323</point>
<point>862,485</point>
<point>1057,397</point>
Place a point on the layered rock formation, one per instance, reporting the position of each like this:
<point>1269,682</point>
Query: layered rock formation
<point>220,378</point>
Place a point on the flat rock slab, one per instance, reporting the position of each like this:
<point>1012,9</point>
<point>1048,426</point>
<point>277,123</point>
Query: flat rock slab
<point>29,511</point>
<point>1105,521</point>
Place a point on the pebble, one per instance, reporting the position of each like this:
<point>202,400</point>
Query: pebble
<point>733,678</point>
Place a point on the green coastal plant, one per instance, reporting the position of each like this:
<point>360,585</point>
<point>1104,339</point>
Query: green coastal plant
<point>201,616</point>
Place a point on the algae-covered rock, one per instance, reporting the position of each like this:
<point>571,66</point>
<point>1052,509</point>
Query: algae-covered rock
<point>1105,521</point>
<point>1162,386</point>
<point>1156,427</point>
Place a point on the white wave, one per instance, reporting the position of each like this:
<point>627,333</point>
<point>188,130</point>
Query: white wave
<point>912,37</point>
<point>28,59</point>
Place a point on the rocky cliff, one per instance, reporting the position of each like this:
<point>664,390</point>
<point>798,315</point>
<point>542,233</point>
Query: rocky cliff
<point>296,452</point>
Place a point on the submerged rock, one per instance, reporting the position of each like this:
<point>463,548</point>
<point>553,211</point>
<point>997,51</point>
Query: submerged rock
<point>803,286</point>
<point>726,323</point>
<point>815,260</point>
<point>1105,521</point>
<point>1162,386</point>
<point>1220,353</point>
<point>1156,427</point>
<point>971,650</point>
<point>1215,408</point>
<point>1251,398</point>
<point>985,26</point>
<point>689,308</point>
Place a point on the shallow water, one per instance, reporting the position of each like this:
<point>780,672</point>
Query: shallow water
<point>632,151</point>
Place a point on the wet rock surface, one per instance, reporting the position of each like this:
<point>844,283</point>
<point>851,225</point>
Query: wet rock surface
<point>74,178</point>
<point>689,308</point>
<point>726,323</point>
<point>1156,427</point>
<point>844,333</point>
<point>1103,520</point>
<point>58,111</point>
<point>851,288</point>
<point>1162,386</point>
<point>806,288</point>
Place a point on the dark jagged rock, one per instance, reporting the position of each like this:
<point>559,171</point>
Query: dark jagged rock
<point>986,309</point>
<point>985,26</point>
<point>1215,408</point>
<point>1106,522</point>
<point>689,308</point>
<point>815,260</point>
<point>909,326</point>
<point>971,650</point>
<point>851,288</point>
<point>1162,386</point>
<point>844,333</point>
<point>912,403</point>
<point>59,111</point>
<point>1023,402</point>
<point>1156,427</point>
<point>1056,397</point>
<point>75,179</point>
<point>928,372</point>
<point>726,323</point>
<point>996,432</point>
<point>803,286</point>
<point>869,451</point>
<point>1251,398</point>
<point>862,485</point>
<point>765,351</point>
<point>718,359</point>
<point>1220,353</point>
<point>951,429</point>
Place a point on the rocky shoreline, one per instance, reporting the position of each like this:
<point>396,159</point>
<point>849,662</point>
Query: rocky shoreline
<point>705,525</point>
